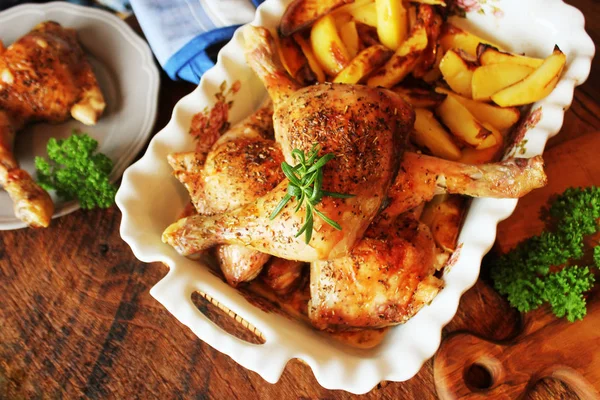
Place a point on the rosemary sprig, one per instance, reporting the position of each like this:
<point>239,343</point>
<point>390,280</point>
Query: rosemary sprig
<point>305,181</point>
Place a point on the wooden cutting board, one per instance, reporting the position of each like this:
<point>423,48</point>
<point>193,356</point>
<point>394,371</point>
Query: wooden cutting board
<point>547,347</point>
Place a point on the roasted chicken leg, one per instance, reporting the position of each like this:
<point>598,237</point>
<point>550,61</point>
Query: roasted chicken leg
<point>44,76</point>
<point>421,177</point>
<point>385,280</point>
<point>31,203</point>
<point>366,128</point>
<point>242,165</point>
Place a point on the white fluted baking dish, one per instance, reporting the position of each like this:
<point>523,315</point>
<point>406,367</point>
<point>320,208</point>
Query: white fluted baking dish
<point>150,199</point>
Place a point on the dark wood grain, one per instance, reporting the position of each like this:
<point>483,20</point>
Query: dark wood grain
<point>76,318</point>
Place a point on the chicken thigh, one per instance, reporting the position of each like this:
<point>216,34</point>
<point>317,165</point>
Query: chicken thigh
<point>385,280</point>
<point>365,128</point>
<point>242,165</point>
<point>44,76</point>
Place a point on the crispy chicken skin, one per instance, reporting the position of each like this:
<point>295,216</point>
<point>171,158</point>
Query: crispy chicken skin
<point>366,128</point>
<point>283,276</point>
<point>421,177</point>
<point>241,166</point>
<point>385,280</point>
<point>44,76</point>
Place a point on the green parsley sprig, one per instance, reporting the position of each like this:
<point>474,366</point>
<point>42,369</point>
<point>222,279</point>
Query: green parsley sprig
<point>524,274</point>
<point>305,185</point>
<point>75,172</point>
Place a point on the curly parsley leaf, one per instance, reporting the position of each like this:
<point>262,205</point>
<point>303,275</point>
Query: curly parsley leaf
<point>75,172</point>
<point>524,274</point>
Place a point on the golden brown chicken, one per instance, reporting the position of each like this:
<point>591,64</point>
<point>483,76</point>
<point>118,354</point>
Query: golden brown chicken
<point>32,204</point>
<point>243,165</point>
<point>366,128</point>
<point>379,269</point>
<point>44,76</point>
<point>385,280</point>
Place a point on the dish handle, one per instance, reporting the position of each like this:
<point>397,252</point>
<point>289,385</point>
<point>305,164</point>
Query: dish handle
<point>175,291</point>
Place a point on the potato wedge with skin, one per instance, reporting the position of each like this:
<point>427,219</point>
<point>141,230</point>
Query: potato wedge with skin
<point>434,73</point>
<point>490,79</point>
<point>392,23</point>
<point>328,48</point>
<point>367,35</point>
<point>312,61</point>
<point>431,2</point>
<point>458,73</point>
<point>443,215</point>
<point>536,86</point>
<point>349,36</point>
<point>499,117</point>
<point>301,13</point>
<point>431,134</point>
<point>494,140</point>
<point>472,155</point>
<point>453,37</point>
<point>363,64</point>
<point>433,24</point>
<point>411,16</point>
<point>363,11</point>
<point>420,98</point>
<point>294,61</point>
<point>402,62</point>
<point>464,125</point>
<point>488,55</point>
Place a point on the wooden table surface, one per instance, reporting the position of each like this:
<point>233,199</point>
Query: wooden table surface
<point>76,318</point>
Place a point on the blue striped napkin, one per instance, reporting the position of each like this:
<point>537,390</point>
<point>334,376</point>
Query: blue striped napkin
<point>185,35</point>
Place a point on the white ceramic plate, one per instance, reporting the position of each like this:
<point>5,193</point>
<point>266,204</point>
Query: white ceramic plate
<point>150,199</point>
<point>128,77</point>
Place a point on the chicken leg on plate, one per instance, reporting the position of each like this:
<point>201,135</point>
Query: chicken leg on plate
<point>243,165</point>
<point>32,204</point>
<point>44,76</point>
<point>366,128</point>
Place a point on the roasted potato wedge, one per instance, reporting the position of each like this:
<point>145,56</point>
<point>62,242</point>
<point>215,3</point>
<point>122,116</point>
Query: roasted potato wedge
<point>392,23</point>
<point>500,118</point>
<point>431,134</point>
<point>458,73</point>
<point>490,79</point>
<point>329,50</point>
<point>431,2</point>
<point>402,62</point>
<point>536,86</point>
<point>295,61</point>
<point>349,36</point>
<point>464,125</point>
<point>473,156</point>
<point>444,215</point>
<point>419,97</point>
<point>312,60</point>
<point>363,64</point>
<point>453,37</point>
<point>488,55</point>
<point>367,35</point>
<point>301,13</point>
<point>434,73</point>
<point>363,11</point>
<point>433,25</point>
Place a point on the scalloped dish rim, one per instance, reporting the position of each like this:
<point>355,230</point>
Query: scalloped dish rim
<point>335,366</point>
